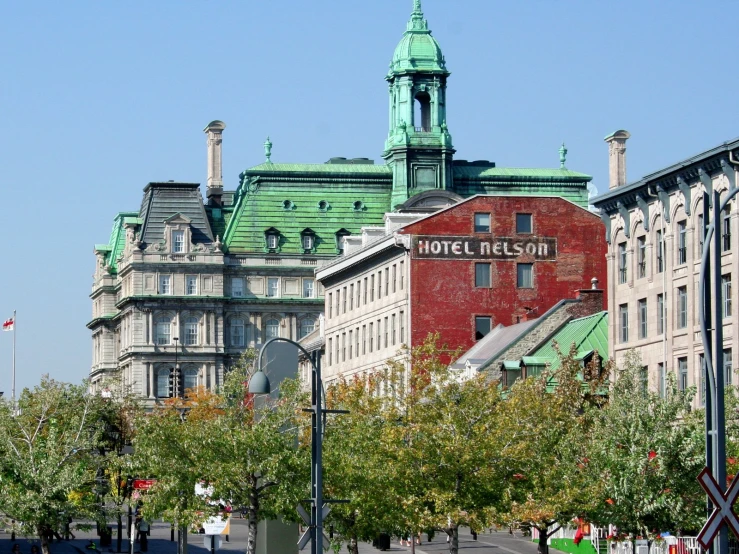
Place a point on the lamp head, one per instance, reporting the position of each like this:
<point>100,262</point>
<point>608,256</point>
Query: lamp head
<point>259,383</point>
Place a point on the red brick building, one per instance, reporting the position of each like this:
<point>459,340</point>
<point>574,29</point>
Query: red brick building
<point>459,271</point>
<point>557,249</point>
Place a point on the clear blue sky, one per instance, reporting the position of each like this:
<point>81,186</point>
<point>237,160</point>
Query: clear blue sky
<point>99,98</point>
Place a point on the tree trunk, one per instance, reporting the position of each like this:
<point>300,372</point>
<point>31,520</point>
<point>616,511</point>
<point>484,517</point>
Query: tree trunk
<point>454,542</point>
<point>119,541</point>
<point>43,535</point>
<point>353,545</point>
<point>543,541</point>
<point>252,514</point>
<point>182,540</point>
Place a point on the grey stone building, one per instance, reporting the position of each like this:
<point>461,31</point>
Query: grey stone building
<point>655,229</point>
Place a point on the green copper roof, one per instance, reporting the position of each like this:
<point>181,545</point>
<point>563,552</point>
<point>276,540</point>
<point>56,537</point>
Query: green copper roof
<point>475,172</point>
<point>338,169</point>
<point>417,50</point>
<point>586,333</point>
<point>117,240</point>
<point>311,198</point>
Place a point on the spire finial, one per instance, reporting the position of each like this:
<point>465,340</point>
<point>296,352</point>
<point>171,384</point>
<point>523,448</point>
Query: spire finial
<point>268,150</point>
<point>562,156</point>
<point>417,22</point>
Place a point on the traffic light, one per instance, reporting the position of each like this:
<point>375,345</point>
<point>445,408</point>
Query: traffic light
<point>180,382</point>
<point>172,383</point>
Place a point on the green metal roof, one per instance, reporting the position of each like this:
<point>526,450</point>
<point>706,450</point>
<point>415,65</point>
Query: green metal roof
<point>117,240</point>
<point>586,333</point>
<point>332,168</point>
<point>417,50</point>
<point>471,171</point>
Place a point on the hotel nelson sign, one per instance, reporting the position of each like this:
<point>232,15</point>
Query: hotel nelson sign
<point>475,248</point>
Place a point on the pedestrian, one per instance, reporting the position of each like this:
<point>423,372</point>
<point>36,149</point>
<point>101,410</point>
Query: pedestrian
<point>144,533</point>
<point>68,530</point>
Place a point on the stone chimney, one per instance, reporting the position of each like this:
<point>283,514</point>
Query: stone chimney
<point>214,189</point>
<point>617,158</point>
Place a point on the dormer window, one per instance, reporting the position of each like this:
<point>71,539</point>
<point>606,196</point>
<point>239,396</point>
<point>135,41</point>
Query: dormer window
<point>307,240</point>
<point>340,235</point>
<point>272,238</point>
<point>323,205</point>
<point>288,205</point>
<point>178,241</point>
<point>358,206</point>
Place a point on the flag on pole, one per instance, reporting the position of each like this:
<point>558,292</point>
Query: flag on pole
<point>9,324</point>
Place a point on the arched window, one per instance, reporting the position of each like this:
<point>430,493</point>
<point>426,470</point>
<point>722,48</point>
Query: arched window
<point>272,238</point>
<point>189,378</point>
<point>422,113</point>
<point>237,332</point>
<point>272,329</point>
<point>162,384</point>
<point>192,325</point>
<point>163,330</point>
<point>307,239</point>
<point>307,326</point>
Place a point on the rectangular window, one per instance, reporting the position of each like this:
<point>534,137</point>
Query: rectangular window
<point>387,329</point>
<point>641,257</point>
<point>237,287</point>
<point>356,342</point>
<point>682,307</point>
<point>343,347</point>
<point>701,231</point>
<point>642,308</point>
<point>272,241</point>
<point>337,349</point>
<point>343,301</point>
<point>660,252</point>
<point>191,285</point>
<point>726,230</point>
<point>682,242</point>
<point>395,277</point>
<point>726,295</point>
<point>371,337</point>
<point>387,281</point>
<point>662,380</point>
<point>308,288</point>
<point>525,276</point>
<point>482,275</point>
<point>365,291</point>
<point>482,223</point>
<point>523,224</point>
<point>379,334</point>
<point>402,327</point>
<point>402,275</point>
<point>364,339</point>
<point>682,373</point>
<point>351,343</point>
<point>178,241</point>
<point>379,285</point>
<point>372,287</point>
<point>644,379</point>
<point>330,351</point>
<point>482,326</point>
<point>330,305</point>
<point>660,314</point>
<point>392,329</point>
<point>351,297</point>
<point>728,369</point>
<point>273,287</point>
<point>622,273</point>
<point>623,319</point>
<point>359,293</point>
<point>165,284</point>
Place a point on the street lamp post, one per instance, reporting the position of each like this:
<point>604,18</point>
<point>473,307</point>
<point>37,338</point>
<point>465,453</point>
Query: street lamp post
<point>259,384</point>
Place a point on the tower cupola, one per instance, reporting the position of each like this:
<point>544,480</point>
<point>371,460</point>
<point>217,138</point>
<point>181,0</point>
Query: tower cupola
<point>418,147</point>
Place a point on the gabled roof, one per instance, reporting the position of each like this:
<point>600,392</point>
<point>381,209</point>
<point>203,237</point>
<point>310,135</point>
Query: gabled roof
<point>588,334</point>
<point>494,343</point>
<point>164,200</point>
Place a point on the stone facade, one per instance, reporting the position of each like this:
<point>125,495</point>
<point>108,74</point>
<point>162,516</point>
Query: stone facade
<point>655,228</point>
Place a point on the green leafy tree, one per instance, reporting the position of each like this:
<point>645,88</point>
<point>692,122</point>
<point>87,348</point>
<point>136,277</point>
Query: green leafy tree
<point>647,451</point>
<point>49,457</point>
<point>546,420</point>
<point>256,463</point>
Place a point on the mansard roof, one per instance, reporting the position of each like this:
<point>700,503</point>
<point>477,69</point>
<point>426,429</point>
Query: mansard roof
<point>326,198</point>
<point>117,241</point>
<point>164,200</point>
